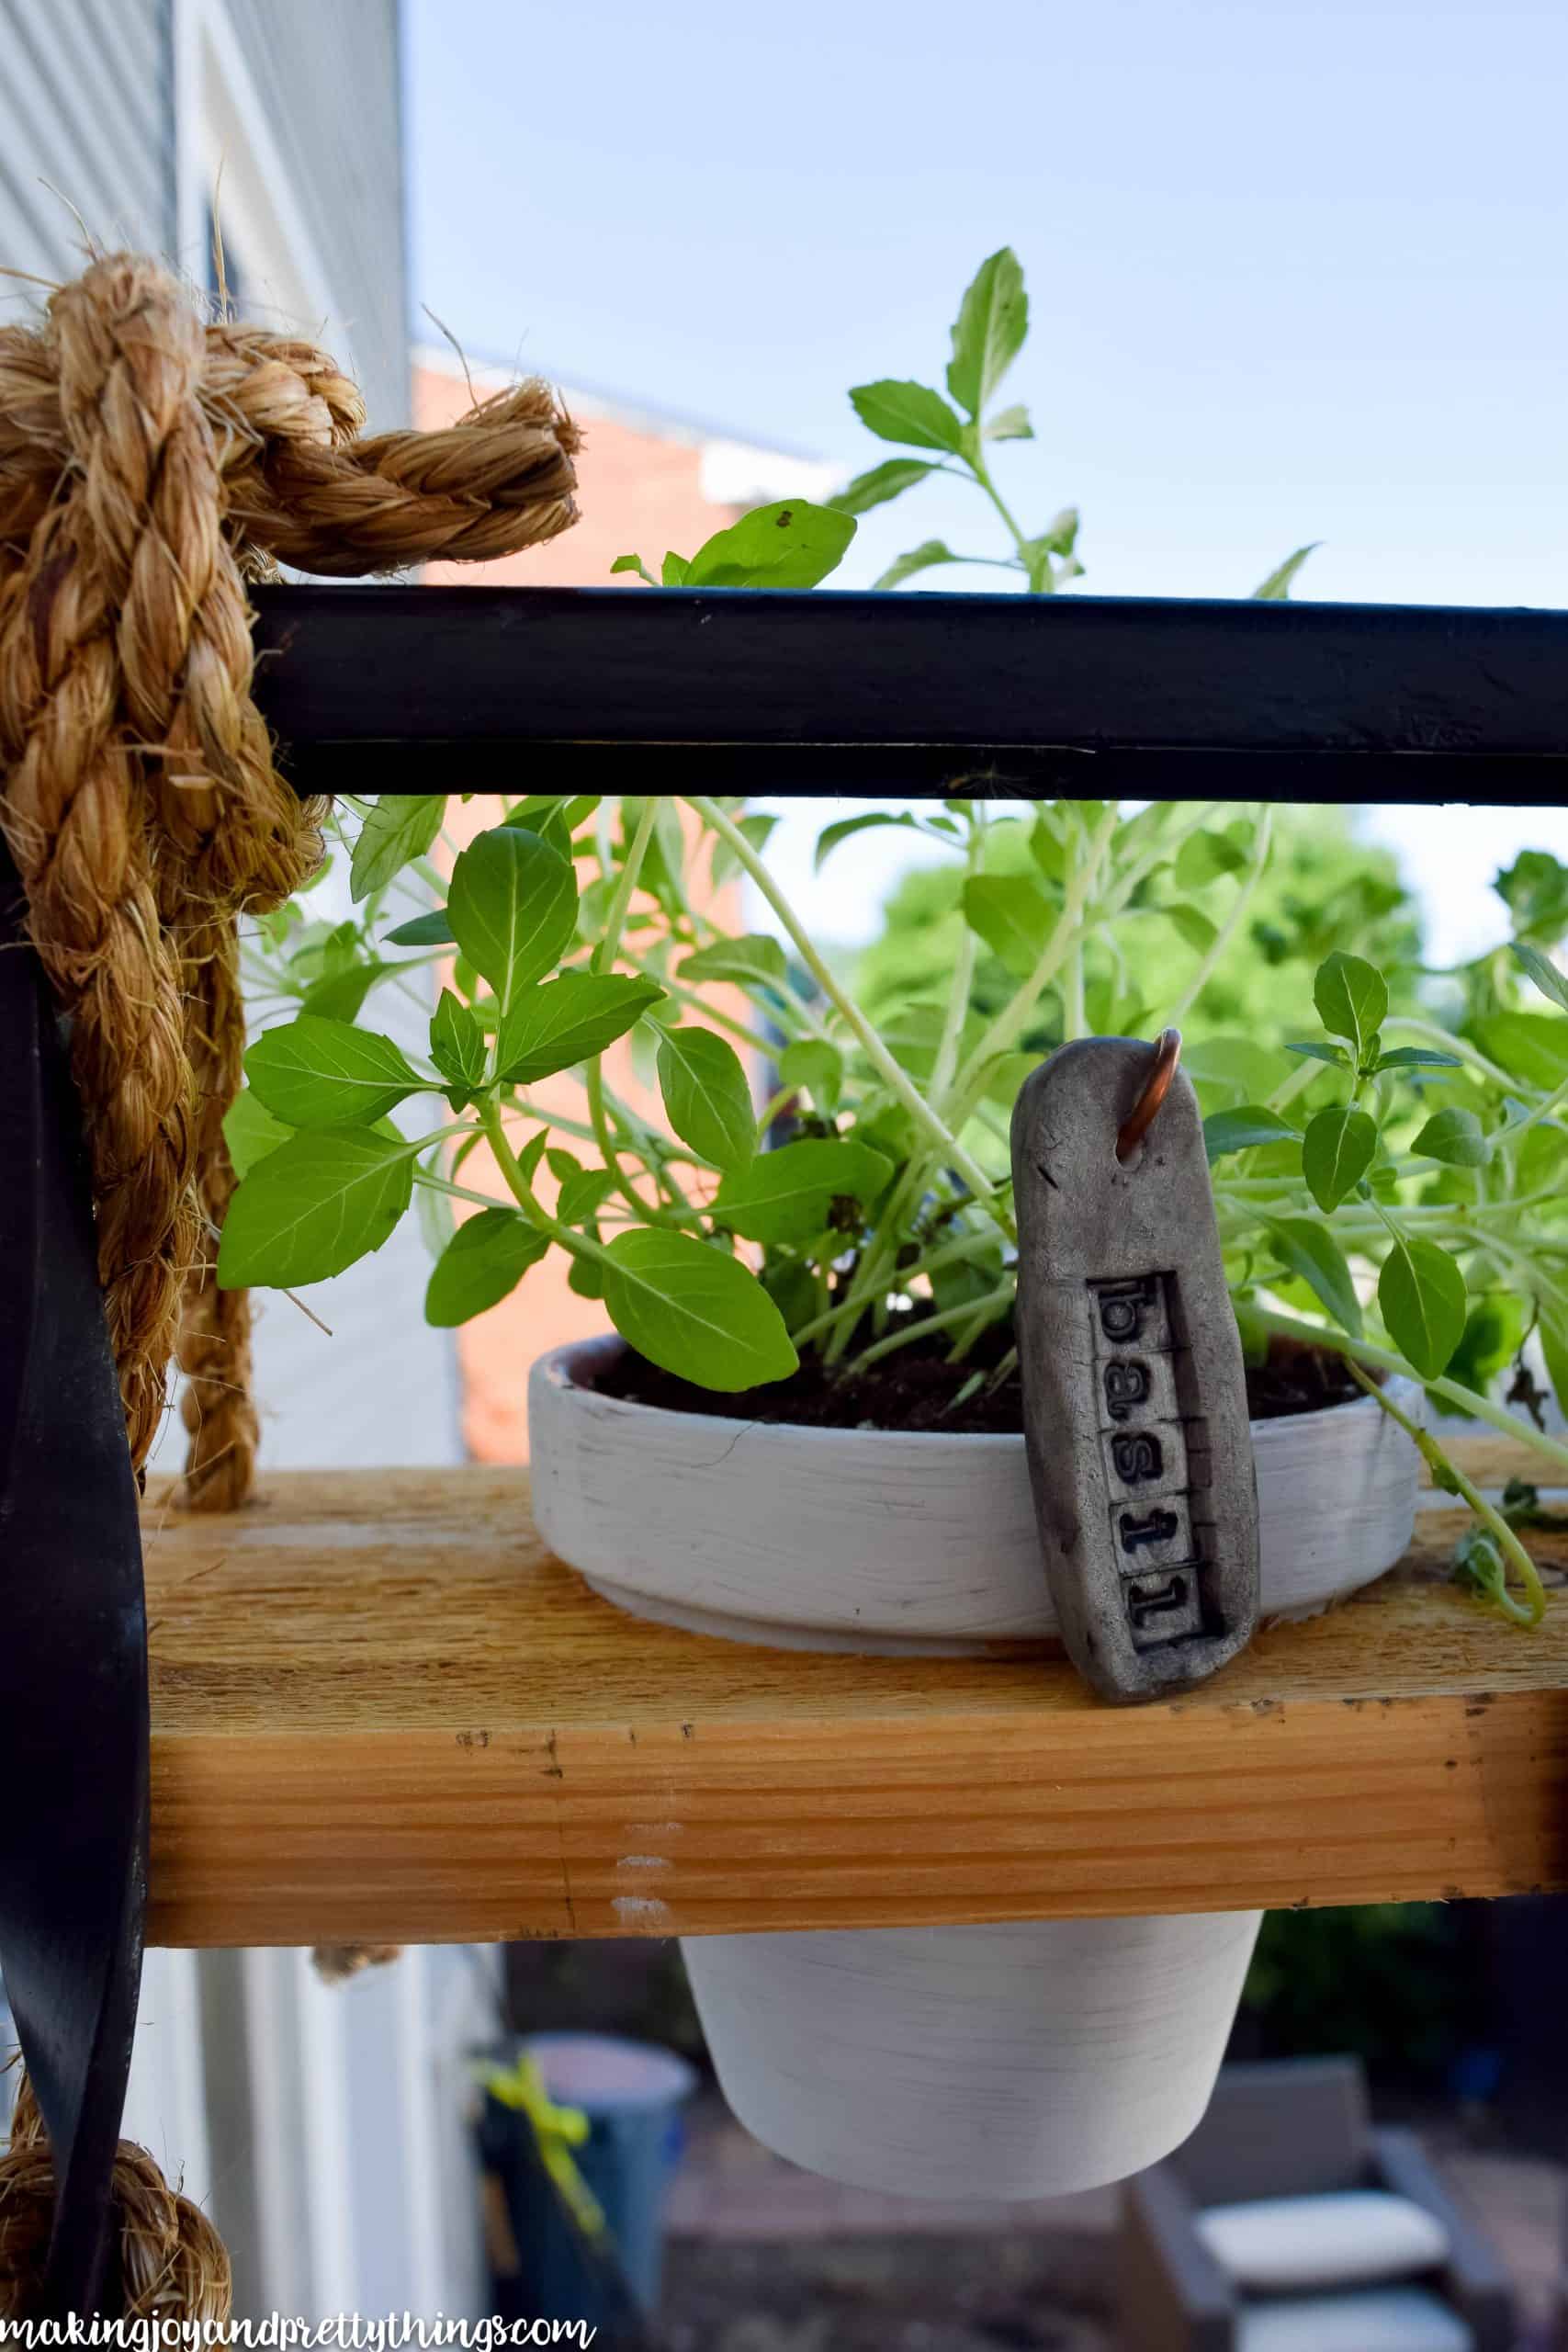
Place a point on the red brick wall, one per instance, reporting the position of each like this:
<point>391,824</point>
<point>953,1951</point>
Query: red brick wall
<point>638,494</point>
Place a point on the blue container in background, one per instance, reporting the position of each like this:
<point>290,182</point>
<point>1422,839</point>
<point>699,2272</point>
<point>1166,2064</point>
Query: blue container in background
<point>631,2095</point>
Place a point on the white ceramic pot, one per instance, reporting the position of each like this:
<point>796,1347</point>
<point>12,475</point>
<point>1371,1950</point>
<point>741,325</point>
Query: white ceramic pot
<point>1021,2060</point>
<point>881,1540</point>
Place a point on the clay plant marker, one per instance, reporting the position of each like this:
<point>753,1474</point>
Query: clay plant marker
<point>1135,1396</point>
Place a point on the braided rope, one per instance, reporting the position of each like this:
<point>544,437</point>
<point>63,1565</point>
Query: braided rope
<point>150,464</point>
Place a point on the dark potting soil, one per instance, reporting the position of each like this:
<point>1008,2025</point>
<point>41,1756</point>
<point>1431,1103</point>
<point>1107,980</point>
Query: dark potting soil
<point>916,1387</point>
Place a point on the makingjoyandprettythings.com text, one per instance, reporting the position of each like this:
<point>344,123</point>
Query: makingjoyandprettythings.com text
<point>349,2332</point>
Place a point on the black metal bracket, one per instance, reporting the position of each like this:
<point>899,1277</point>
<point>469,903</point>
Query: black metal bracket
<point>74,1714</point>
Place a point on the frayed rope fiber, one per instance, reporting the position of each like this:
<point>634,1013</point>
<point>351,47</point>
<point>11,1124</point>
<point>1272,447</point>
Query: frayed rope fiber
<point>172,2262</point>
<point>151,462</point>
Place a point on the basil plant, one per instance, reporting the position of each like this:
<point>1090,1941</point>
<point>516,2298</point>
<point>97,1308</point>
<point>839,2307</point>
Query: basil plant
<point>1390,1185</point>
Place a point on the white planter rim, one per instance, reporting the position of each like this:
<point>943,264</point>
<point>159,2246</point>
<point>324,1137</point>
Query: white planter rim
<point>904,1540</point>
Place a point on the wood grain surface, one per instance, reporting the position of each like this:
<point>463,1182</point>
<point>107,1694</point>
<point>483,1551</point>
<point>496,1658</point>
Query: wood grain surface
<point>381,1711</point>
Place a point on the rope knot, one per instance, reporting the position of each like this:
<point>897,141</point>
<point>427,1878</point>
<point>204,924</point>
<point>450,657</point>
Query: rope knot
<point>150,463</point>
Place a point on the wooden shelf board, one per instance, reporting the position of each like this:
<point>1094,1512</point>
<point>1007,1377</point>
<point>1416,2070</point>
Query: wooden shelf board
<point>381,1711</point>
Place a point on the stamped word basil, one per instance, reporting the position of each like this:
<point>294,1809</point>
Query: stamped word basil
<point>1135,1395</point>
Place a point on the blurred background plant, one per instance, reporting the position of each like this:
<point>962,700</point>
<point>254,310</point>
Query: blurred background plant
<point>1323,888</point>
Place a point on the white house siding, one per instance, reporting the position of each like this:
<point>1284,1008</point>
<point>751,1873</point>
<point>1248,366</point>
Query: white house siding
<point>86,105</point>
<point>329,81</point>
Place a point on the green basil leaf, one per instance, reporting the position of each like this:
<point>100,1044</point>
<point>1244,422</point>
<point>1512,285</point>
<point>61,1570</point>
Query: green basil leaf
<point>818,1066</point>
<point>512,906</point>
<point>1010,424</point>
<point>1492,1330</point>
<point>920,558</point>
<point>583,1194</point>
<point>546,823</point>
<point>1416,1058</point>
<point>315,1073</point>
<point>845,828</point>
<point>1012,915</point>
<point>785,1195</point>
<point>790,544</point>
<point>1534,890</point>
<point>486,1257</point>
<point>1542,1159</point>
<point>338,996</point>
<point>989,330</point>
<point>1254,1123</point>
<point>754,960</point>
<point>1310,1250</point>
<point>1422,1298</point>
<point>1048,846</point>
<point>251,1131</point>
<point>399,827</point>
<point>1334,1054</point>
<point>1554,1350</point>
<point>587,1277</point>
<point>1004,1075</point>
<point>724,862</point>
<point>1193,929</point>
<point>1244,1069</point>
<point>1351,997</point>
<point>533,1151</point>
<point>313,1206</point>
<point>674,571</point>
<point>571,812</point>
<point>1336,1151</point>
<point>568,1021</point>
<point>433,930</point>
<point>1059,537</point>
<point>694,1311</point>
<point>1531,1045</point>
<point>1455,1137</point>
<point>881,484</point>
<point>706,1095</point>
<point>1543,972</point>
<point>1205,857</point>
<point>1277,587</point>
<point>792,1286</point>
<point>913,413</point>
<point>633,563</point>
<point>457,1042</point>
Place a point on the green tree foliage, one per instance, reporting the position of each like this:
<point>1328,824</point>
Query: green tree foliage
<point>1322,888</point>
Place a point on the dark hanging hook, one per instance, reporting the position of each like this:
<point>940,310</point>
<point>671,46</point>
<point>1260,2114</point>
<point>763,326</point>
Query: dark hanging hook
<point>74,1719</point>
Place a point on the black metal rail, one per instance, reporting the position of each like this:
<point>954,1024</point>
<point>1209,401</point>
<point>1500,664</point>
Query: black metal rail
<point>523,689</point>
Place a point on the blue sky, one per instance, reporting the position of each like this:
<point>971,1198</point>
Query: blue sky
<point>1297,271</point>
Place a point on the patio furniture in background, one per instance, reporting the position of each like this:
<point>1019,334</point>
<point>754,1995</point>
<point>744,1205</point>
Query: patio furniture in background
<point>1300,2130</point>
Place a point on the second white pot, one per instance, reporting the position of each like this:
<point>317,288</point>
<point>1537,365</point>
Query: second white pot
<point>1021,2060</point>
